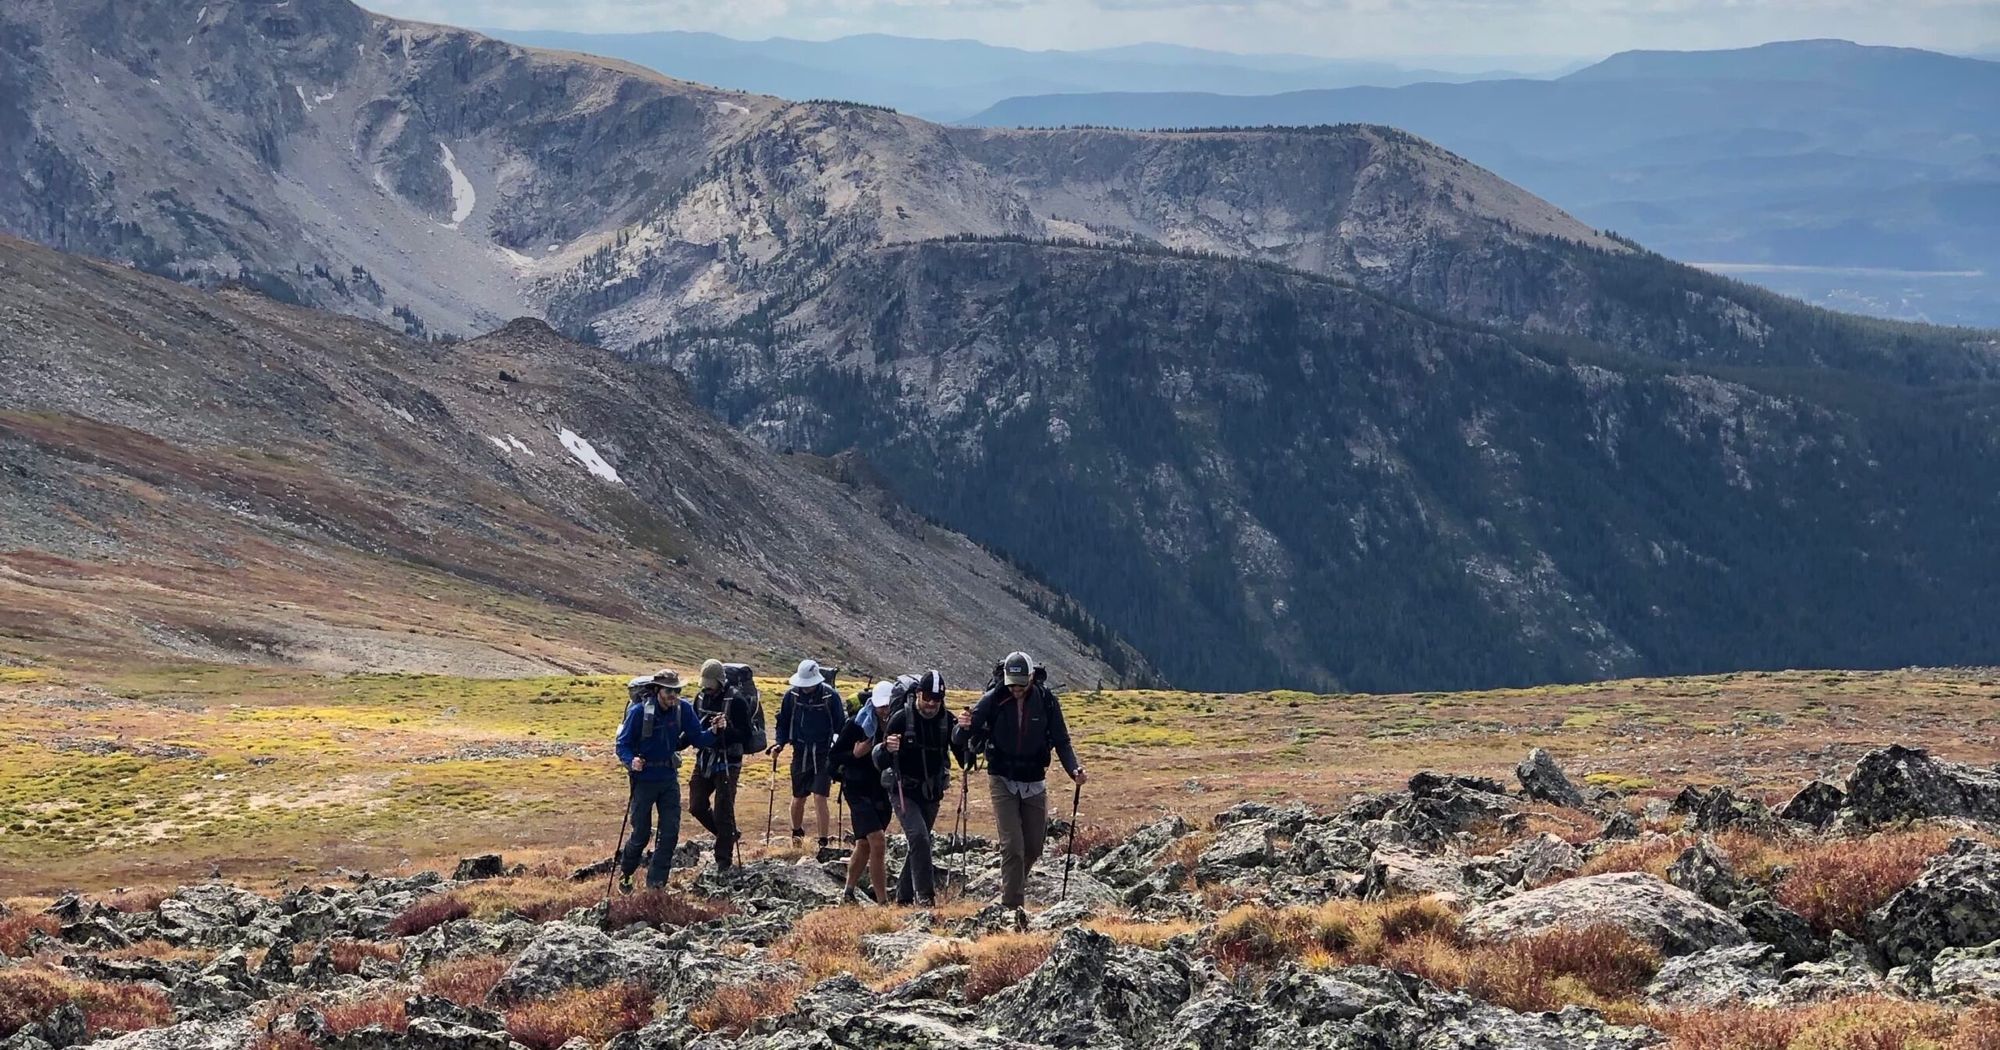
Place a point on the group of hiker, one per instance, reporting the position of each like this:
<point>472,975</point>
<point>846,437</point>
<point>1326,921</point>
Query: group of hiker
<point>890,756</point>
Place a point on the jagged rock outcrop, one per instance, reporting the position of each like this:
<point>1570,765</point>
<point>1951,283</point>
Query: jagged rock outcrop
<point>1092,991</point>
<point>1955,903</point>
<point>1674,920</point>
<point>564,955</point>
<point>1816,805</point>
<point>1966,974</point>
<point>1900,783</point>
<point>1543,781</point>
<point>1743,975</point>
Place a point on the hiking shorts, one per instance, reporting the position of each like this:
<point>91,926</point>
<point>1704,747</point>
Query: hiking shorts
<point>808,782</point>
<point>871,814</point>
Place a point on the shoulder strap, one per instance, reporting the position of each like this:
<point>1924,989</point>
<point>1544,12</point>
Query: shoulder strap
<point>647,711</point>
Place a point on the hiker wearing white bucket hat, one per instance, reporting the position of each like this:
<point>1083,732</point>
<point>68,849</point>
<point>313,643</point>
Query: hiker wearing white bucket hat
<point>810,717</point>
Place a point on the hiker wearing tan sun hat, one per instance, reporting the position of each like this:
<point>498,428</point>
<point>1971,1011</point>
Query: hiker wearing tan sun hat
<point>657,726</point>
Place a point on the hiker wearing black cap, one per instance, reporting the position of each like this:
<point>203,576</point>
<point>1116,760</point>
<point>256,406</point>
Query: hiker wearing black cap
<point>917,749</point>
<point>1017,725</point>
<point>657,725</point>
<point>718,766</point>
<point>867,799</point>
<point>810,719</point>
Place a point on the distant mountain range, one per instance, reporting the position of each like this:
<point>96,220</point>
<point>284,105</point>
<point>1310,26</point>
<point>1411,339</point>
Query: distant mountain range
<point>1326,407</point>
<point>951,79</point>
<point>1865,178</point>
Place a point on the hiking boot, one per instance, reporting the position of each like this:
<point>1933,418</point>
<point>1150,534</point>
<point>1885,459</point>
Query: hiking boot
<point>1020,918</point>
<point>824,840</point>
<point>926,902</point>
<point>625,884</point>
<point>799,834</point>
<point>847,896</point>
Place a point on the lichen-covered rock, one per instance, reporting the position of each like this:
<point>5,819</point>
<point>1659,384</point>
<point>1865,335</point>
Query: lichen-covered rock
<point>1240,845</point>
<point>1782,928</point>
<point>918,1026</point>
<point>1844,972</point>
<point>1816,805</point>
<point>1131,861</point>
<point>461,938</point>
<point>484,866</point>
<point>1955,903</point>
<point>564,955</point>
<point>432,1033</point>
<point>1325,847</point>
<point>217,915</point>
<point>1966,975</point>
<point>1719,808</point>
<point>1672,919</point>
<point>1395,872</point>
<point>779,880</point>
<point>1706,872</point>
<point>1619,826</point>
<point>1543,780</point>
<point>229,1034</point>
<point>1742,975</point>
<point>1092,991</point>
<point>1527,863</point>
<point>1897,784</point>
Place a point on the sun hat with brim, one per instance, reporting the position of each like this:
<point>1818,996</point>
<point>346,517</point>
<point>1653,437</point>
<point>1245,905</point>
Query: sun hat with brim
<point>667,678</point>
<point>808,675</point>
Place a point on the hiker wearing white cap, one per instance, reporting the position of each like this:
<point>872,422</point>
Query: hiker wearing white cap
<point>810,719</point>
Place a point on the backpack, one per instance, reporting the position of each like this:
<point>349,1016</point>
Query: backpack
<point>738,677</point>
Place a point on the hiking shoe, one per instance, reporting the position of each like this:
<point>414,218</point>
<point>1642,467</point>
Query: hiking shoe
<point>926,902</point>
<point>847,896</point>
<point>825,840</point>
<point>799,833</point>
<point>1020,918</point>
<point>625,884</point>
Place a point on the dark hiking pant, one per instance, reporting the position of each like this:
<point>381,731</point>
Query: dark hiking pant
<point>1024,827</point>
<point>919,878</point>
<point>647,796</point>
<point>718,815</point>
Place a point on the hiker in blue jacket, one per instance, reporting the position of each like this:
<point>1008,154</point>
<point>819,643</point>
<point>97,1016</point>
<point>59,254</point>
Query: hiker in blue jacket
<point>809,720</point>
<point>657,726</point>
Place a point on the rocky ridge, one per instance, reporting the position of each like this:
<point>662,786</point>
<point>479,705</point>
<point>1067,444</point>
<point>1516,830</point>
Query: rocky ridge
<point>1935,940</point>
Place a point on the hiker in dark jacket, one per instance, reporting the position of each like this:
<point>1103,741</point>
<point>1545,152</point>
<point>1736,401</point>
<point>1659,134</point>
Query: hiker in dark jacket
<point>867,800</point>
<point>1017,725</point>
<point>719,766</point>
<point>810,718</point>
<point>657,726</point>
<point>919,745</point>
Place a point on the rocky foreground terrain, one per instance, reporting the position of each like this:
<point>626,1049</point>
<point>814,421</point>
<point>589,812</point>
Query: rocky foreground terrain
<point>1458,912</point>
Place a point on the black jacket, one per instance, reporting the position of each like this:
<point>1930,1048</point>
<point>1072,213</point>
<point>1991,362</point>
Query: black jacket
<point>928,750</point>
<point>729,737</point>
<point>858,776</point>
<point>1017,738</point>
<point>811,718</point>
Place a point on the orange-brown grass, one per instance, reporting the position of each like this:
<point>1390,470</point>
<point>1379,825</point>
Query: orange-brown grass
<point>733,1008</point>
<point>144,899</point>
<point>1092,836</point>
<point>997,962</point>
<point>434,910</point>
<point>1573,826</point>
<point>1650,855</point>
<point>1187,850</point>
<point>384,1010</point>
<point>30,993</point>
<point>1592,966</point>
<point>1862,1023</point>
<point>15,929</point>
<point>347,954</point>
<point>665,909</point>
<point>828,941</point>
<point>1150,935</point>
<point>1837,883</point>
<point>1347,931</point>
<point>466,981</point>
<point>596,1014</point>
<point>537,900</point>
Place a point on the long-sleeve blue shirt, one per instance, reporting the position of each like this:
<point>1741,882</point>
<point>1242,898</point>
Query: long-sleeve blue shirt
<point>675,726</point>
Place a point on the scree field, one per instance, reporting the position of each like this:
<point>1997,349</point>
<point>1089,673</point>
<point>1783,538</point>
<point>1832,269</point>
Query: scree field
<point>125,778</point>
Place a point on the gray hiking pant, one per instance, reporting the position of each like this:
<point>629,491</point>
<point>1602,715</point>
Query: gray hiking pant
<point>1024,827</point>
<point>648,796</point>
<point>919,878</point>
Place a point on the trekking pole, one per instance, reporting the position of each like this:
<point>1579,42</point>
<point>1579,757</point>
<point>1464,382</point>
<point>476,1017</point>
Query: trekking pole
<point>1069,844</point>
<point>771,801</point>
<point>962,828</point>
<point>618,848</point>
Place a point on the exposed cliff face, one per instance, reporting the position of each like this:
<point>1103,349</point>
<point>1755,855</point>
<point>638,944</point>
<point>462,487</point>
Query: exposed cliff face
<point>1253,472</point>
<point>229,477</point>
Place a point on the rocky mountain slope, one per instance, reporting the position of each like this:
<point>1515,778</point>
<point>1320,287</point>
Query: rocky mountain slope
<point>1262,475</point>
<point>228,477</point>
<point>1435,917</point>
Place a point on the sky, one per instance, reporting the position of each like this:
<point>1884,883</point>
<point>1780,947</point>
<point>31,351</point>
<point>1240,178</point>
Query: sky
<point>1339,28</point>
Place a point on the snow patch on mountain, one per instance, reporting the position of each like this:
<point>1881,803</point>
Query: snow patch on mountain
<point>463,197</point>
<point>587,455</point>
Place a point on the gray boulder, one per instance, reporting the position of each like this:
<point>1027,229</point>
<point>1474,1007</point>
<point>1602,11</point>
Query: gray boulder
<point>923,1025</point>
<point>1966,975</point>
<point>484,866</point>
<point>1543,780</point>
<point>1782,928</point>
<point>1816,805</point>
<point>217,915</point>
<point>1705,871</point>
<point>229,1034</point>
<point>1720,808</point>
<point>462,938</point>
<point>1746,974</point>
<point>1672,919</point>
<point>564,955</point>
<point>1396,872</point>
<point>1325,847</point>
<point>1240,845</point>
<point>806,885</point>
<point>431,1033</point>
<point>1844,972</point>
<point>1898,784</point>
<point>1131,861</point>
<point>1092,991</point>
<point>1619,826</point>
<point>1955,903</point>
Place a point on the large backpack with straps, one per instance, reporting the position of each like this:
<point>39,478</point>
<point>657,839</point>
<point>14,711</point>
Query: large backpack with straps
<point>740,679</point>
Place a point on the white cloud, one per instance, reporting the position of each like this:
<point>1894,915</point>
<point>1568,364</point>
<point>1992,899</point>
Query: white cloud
<point>1356,28</point>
